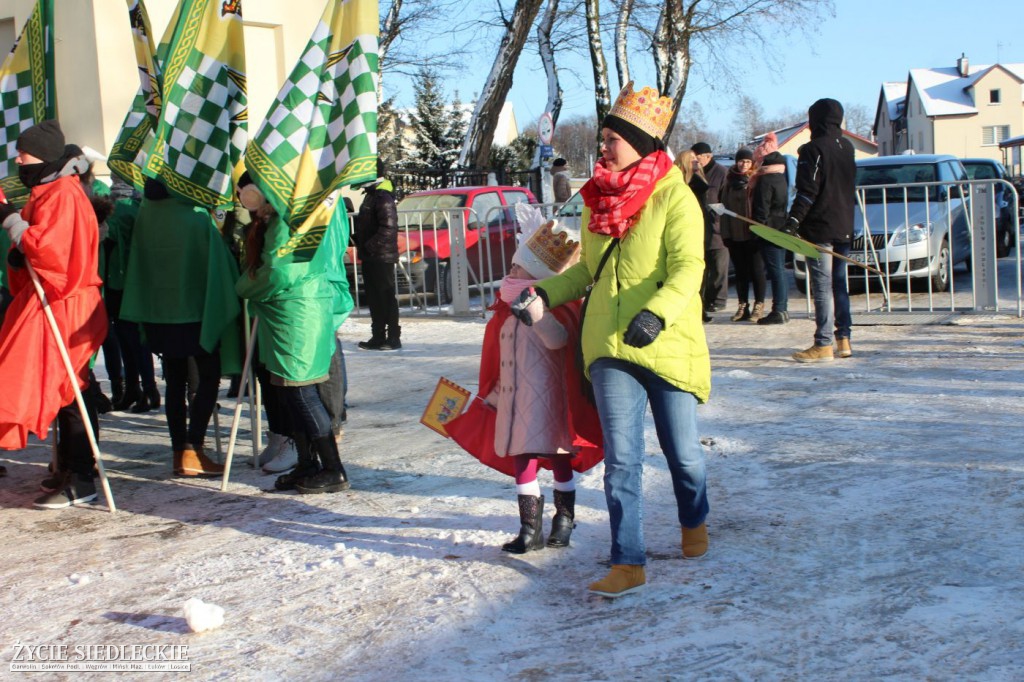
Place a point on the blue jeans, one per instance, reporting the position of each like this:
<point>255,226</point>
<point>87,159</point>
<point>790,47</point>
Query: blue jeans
<point>308,410</point>
<point>622,391</point>
<point>775,265</point>
<point>831,298</point>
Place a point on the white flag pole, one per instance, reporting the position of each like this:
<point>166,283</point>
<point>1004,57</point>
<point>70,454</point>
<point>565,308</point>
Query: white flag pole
<point>74,385</point>
<point>243,392</point>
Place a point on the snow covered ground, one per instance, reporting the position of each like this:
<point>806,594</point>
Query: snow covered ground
<point>867,519</point>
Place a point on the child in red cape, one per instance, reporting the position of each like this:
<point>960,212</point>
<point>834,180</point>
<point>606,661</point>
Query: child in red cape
<point>531,408</point>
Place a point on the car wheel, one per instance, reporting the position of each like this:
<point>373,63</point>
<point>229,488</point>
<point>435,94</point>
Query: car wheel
<point>439,280</point>
<point>940,280</point>
<point>1004,242</point>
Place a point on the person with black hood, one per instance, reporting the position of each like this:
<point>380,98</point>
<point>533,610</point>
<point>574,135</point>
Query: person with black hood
<point>768,207</point>
<point>58,235</point>
<point>377,240</point>
<point>822,213</point>
<point>741,242</point>
<point>715,292</point>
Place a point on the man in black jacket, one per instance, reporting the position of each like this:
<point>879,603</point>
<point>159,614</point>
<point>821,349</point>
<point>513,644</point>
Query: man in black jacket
<point>377,241</point>
<point>822,213</point>
<point>715,292</point>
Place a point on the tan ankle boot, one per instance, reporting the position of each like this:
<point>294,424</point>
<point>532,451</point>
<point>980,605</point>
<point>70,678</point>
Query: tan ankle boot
<point>196,463</point>
<point>622,579</point>
<point>695,541</point>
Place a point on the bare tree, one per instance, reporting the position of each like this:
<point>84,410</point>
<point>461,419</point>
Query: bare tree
<point>859,119</point>
<point>400,47</point>
<point>477,148</point>
<point>622,40</point>
<point>602,95</point>
<point>547,57</point>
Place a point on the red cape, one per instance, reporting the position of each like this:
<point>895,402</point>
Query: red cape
<point>474,428</point>
<point>62,244</point>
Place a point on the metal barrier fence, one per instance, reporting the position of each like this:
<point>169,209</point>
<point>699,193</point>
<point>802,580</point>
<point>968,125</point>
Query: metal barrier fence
<point>451,260</point>
<point>917,233</point>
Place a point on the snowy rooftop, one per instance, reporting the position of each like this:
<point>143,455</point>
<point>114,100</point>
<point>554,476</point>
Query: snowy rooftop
<point>944,92</point>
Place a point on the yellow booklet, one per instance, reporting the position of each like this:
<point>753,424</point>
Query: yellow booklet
<point>445,404</point>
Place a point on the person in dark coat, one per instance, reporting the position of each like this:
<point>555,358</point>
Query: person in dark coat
<point>768,207</point>
<point>715,292</point>
<point>377,241</point>
<point>822,213</point>
<point>741,242</point>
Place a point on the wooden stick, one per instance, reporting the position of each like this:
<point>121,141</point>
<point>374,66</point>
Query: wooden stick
<point>243,391</point>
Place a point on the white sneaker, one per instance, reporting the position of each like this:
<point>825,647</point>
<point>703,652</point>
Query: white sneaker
<point>286,459</point>
<point>275,441</point>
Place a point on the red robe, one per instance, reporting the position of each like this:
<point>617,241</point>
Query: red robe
<point>474,428</point>
<point>62,244</point>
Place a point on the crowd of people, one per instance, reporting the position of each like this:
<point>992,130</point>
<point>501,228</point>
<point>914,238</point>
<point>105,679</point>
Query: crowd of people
<point>588,329</point>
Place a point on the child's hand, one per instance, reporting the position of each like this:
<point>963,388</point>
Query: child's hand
<point>529,307</point>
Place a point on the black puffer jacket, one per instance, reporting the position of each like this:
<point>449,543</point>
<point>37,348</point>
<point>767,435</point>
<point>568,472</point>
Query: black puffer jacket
<point>825,178</point>
<point>768,205</point>
<point>377,225</point>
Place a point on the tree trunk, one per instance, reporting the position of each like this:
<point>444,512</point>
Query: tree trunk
<point>547,56</point>
<point>621,53</point>
<point>671,48</point>
<point>602,98</point>
<point>477,147</point>
<point>388,32</point>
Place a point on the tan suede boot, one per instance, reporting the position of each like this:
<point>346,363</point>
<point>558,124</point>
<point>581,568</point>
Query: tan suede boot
<point>844,348</point>
<point>814,354</point>
<point>622,579</point>
<point>695,541</point>
<point>195,463</point>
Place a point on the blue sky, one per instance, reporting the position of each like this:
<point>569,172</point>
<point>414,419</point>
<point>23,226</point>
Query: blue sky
<point>867,42</point>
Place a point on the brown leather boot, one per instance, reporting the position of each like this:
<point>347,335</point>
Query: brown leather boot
<point>695,541</point>
<point>622,579</point>
<point>194,462</point>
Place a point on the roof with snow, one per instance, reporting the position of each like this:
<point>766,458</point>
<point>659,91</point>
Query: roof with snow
<point>894,94</point>
<point>784,135</point>
<point>944,92</point>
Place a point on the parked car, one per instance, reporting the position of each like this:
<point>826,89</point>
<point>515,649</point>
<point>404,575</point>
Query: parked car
<point>990,169</point>
<point>917,231</point>
<point>424,240</point>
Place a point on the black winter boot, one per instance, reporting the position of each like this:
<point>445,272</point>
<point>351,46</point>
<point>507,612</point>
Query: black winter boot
<point>149,400</point>
<point>307,466</point>
<point>116,391</point>
<point>330,479</point>
<point>531,532</point>
<point>564,520</point>
<point>394,339</point>
<point>129,397</point>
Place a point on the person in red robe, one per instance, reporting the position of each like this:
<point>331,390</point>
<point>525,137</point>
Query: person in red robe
<point>57,234</point>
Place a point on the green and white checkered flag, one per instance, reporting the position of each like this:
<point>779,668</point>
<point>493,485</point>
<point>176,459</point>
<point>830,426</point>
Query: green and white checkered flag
<point>128,156</point>
<point>321,131</point>
<point>27,93</point>
<point>203,126</point>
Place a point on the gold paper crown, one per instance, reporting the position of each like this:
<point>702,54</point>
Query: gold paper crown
<point>645,109</point>
<point>554,249</point>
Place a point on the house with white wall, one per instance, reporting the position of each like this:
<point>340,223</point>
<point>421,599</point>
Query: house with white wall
<point>965,110</point>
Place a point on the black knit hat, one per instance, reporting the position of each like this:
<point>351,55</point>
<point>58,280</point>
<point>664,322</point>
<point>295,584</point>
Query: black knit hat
<point>639,140</point>
<point>45,141</point>
<point>744,154</point>
<point>701,148</point>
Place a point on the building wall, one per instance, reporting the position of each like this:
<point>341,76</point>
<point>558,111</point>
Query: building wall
<point>861,148</point>
<point>919,125</point>
<point>96,71</point>
<point>962,135</point>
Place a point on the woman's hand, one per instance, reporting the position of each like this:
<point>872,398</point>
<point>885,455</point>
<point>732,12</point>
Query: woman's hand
<point>643,329</point>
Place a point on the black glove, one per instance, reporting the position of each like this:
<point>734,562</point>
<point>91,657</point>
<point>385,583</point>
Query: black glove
<point>6,210</point>
<point>644,328</point>
<point>791,226</point>
<point>16,259</point>
<point>519,306</point>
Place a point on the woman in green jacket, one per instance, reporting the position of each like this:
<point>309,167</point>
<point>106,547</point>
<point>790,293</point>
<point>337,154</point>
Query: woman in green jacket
<point>642,339</point>
<point>286,284</point>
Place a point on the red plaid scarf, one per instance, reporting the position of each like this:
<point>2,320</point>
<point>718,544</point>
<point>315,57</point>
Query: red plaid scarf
<point>615,199</point>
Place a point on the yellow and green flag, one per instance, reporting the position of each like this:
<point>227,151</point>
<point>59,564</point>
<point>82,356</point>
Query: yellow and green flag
<point>203,124</point>
<point>128,156</point>
<point>321,131</point>
<point>27,94</point>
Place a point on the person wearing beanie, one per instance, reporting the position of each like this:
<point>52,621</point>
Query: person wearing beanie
<point>177,258</point>
<point>708,188</point>
<point>822,213</point>
<point>57,234</point>
<point>560,180</point>
<point>376,240</point>
<point>744,250</point>
<point>642,337</point>
<point>529,377</point>
<point>769,201</point>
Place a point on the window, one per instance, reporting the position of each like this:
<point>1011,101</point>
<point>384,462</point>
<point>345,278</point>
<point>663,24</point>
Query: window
<point>992,135</point>
<point>993,96</point>
<point>484,209</point>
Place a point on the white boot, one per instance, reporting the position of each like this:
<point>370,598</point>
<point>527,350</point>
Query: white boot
<point>276,444</point>
<point>284,459</point>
